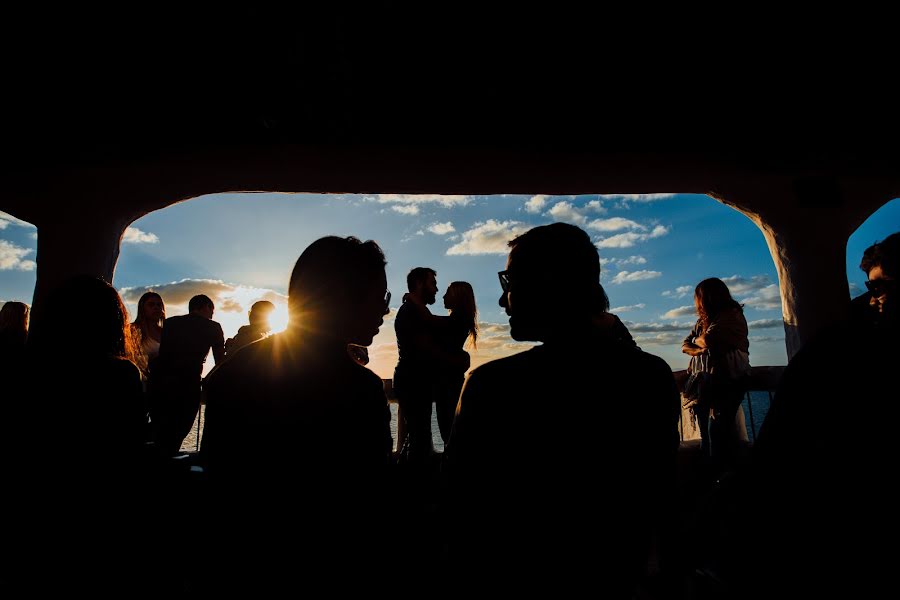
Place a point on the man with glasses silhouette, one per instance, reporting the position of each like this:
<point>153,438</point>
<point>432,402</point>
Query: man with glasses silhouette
<point>828,446</point>
<point>550,488</point>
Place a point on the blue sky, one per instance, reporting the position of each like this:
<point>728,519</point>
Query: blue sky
<point>238,248</point>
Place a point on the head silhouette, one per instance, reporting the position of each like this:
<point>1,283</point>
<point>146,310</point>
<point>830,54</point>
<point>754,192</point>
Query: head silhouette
<point>202,305</point>
<point>98,308</point>
<point>422,283</point>
<point>14,317</point>
<point>459,299</point>
<point>881,264</point>
<point>711,297</point>
<point>554,283</point>
<point>259,314</point>
<point>150,310</point>
<point>338,289</point>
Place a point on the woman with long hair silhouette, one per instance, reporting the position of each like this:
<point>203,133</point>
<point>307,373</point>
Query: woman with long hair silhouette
<point>452,333</point>
<point>719,338</point>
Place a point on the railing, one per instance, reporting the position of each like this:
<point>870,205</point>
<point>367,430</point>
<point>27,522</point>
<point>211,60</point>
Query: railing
<point>761,380</point>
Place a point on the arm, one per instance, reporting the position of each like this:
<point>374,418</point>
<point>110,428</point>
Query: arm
<point>218,345</point>
<point>694,344</point>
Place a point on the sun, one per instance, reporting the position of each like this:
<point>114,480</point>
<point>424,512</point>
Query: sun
<point>278,319</point>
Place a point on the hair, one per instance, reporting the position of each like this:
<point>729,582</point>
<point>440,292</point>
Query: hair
<point>99,308</point>
<point>564,255</point>
<point>260,311</point>
<point>884,254</point>
<point>140,320</point>
<point>200,302</point>
<point>14,317</point>
<point>463,299</point>
<point>331,272</point>
<point>712,297</point>
<point>417,276</point>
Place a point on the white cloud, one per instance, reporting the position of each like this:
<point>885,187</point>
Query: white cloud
<point>768,298</point>
<point>668,338</point>
<point>12,257</point>
<point>658,327</point>
<point>681,311</point>
<point>637,197</point>
<point>536,204</point>
<point>595,206</point>
<point>629,308</point>
<point>406,209</point>
<point>489,237</point>
<point>565,211</point>
<point>614,224</point>
<point>626,276</point>
<point>620,262</point>
<point>133,235</point>
<point>447,201</point>
<point>629,239</point>
<point>738,285</point>
<point>441,228</point>
<point>680,292</point>
<point>855,290</point>
<point>180,292</point>
<point>7,219</point>
<point>765,324</point>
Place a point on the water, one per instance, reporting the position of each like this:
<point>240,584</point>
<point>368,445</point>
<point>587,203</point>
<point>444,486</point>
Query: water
<point>756,406</point>
<point>190,442</point>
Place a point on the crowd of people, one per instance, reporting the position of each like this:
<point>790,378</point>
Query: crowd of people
<point>297,447</point>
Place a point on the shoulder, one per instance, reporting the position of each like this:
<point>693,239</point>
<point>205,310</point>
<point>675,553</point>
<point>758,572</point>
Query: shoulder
<point>502,368</point>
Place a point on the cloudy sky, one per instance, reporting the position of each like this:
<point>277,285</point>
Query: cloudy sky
<point>654,248</point>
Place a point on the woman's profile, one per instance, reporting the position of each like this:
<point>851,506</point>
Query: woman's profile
<point>451,334</point>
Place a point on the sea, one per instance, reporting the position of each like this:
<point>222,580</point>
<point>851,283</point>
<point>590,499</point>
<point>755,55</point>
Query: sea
<point>748,420</point>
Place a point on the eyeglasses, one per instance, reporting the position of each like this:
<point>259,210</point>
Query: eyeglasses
<point>504,281</point>
<point>879,287</point>
<point>387,300</point>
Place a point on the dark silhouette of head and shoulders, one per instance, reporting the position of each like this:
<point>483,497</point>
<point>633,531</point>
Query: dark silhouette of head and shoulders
<point>827,447</point>
<point>534,441</point>
<point>297,400</point>
<point>297,440</point>
<point>258,328</point>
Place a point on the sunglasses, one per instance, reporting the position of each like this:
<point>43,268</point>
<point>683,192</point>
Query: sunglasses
<point>387,300</point>
<point>879,287</point>
<point>504,281</point>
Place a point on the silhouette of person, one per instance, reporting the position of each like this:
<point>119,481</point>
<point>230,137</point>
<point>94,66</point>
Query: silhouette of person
<point>297,440</point>
<point>823,497</point>
<point>175,375</point>
<point>531,447</point>
<point>421,360</point>
<point>90,408</point>
<point>146,332</point>
<point>258,328</point>
<point>720,337</point>
<point>451,333</point>
<point>13,336</point>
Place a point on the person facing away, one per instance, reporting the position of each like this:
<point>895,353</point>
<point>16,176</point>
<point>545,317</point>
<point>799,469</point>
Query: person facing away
<point>146,331</point>
<point>88,403</point>
<point>719,339</point>
<point>451,333</point>
<point>821,470</point>
<point>546,487</point>
<point>258,328</point>
<point>13,336</point>
<point>421,360</point>
<point>297,439</point>
<point>175,375</point>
